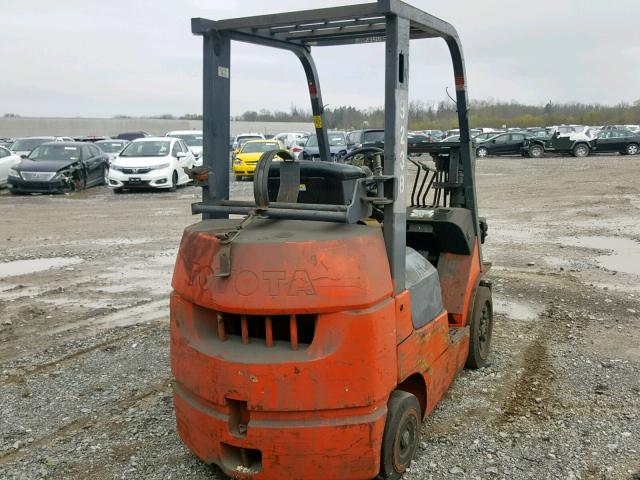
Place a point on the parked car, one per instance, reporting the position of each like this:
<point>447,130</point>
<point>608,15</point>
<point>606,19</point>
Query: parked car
<point>481,137</point>
<point>8,161</point>
<point>290,139</point>
<point>7,142</point>
<point>244,163</point>
<point>620,140</point>
<point>435,135</point>
<point>132,135</point>
<point>502,144</point>
<point>155,162</point>
<point>243,137</point>
<point>24,146</point>
<point>58,167</point>
<point>416,140</point>
<point>563,139</point>
<point>337,146</point>
<point>451,138</point>
<point>373,137</point>
<point>112,147</point>
<point>296,150</point>
<point>193,139</point>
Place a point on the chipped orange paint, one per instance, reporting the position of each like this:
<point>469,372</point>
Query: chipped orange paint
<point>317,412</point>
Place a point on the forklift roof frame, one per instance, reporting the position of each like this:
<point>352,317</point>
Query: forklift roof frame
<point>390,21</point>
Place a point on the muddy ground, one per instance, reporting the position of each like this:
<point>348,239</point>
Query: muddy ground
<point>84,368</point>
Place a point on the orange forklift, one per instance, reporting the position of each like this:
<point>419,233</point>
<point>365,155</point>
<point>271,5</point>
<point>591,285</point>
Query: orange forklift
<point>315,327</point>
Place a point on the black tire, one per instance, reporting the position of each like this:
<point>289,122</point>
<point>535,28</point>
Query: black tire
<point>536,151</point>
<point>482,152</point>
<point>174,182</point>
<point>239,178</point>
<point>104,181</point>
<point>401,434</point>
<point>481,328</point>
<point>117,190</point>
<point>632,149</point>
<point>580,150</point>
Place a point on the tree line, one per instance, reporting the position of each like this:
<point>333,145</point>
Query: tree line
<point>482,113</point>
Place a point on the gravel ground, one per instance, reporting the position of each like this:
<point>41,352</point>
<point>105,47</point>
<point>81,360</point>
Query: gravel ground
<point>84,368</point>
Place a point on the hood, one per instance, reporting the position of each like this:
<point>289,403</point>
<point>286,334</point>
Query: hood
<point>249,157</point>
<point>21,152</point>
<point>132,162</point>
<point>27,165</point>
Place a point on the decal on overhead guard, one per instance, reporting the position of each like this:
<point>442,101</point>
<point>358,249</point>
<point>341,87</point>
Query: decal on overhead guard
<point>223,72</point>
<point>459,82</point>
<point>312,89</point>
<point>317,121</point>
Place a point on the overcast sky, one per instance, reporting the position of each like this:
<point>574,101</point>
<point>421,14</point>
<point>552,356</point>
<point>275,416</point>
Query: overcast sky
<point>102,58</point>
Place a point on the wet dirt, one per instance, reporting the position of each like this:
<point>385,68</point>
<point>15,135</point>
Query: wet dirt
<point>84,345</point>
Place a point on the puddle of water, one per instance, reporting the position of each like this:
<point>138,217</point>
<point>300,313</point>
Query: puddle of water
<point>517,310</point>
<point>24,267</point>
<point>624,256</point>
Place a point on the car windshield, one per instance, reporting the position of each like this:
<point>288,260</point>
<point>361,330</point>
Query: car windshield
<point>373,137</point>
<point>28,144</point>
<point>191,139</point>
<point>154,148</point>
<point>110,147</point>
<point>243,140</point>
<point>257,147</point>
<point>335,140</point>
<point>55,152</point>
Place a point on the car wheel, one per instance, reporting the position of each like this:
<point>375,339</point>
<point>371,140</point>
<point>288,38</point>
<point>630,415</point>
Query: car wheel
<point>174,181</point>
<point>401,434</point>
<point>480,329</point>
<point>482,152</point>
<point>105,175</point>
<point>632,149</point>
<point>580,150</point>
<point>536,151</point>
<point>117,190</point>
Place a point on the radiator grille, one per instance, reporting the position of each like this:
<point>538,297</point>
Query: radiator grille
<point>297,330</point>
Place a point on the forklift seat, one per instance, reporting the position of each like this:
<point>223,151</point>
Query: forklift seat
<point>327,183</point>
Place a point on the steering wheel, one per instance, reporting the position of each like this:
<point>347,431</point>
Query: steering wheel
<point>372,159</point>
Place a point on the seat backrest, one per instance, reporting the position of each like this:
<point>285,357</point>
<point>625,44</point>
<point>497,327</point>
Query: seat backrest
<point>327,183</point>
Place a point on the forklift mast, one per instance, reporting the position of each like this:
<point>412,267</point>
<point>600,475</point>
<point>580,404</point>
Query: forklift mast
<point>390,21</point>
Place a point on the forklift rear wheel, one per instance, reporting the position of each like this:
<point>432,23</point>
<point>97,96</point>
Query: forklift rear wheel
<point>239,178</point>
<point>401,434</point>
<point>481,328</point>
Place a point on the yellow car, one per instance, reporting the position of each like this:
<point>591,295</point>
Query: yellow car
<point>244,163</point>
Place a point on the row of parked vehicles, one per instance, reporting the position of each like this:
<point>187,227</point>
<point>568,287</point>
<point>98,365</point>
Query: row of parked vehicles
<point>137,159</point>
<point>131,160</point>
<point>576,140</point>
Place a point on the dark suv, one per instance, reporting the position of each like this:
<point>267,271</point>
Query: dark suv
<point>365,138</point>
